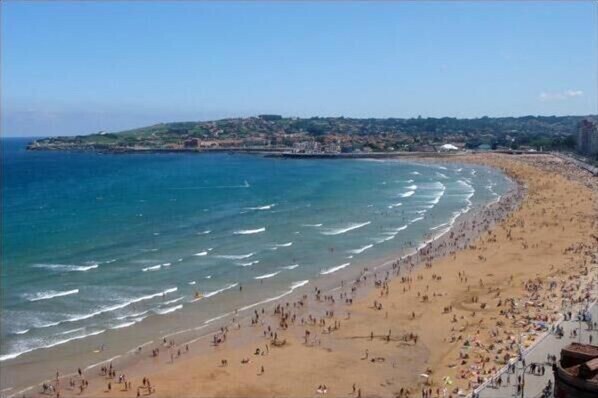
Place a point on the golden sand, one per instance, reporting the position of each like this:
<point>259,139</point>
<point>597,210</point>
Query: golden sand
<point>461,333</point>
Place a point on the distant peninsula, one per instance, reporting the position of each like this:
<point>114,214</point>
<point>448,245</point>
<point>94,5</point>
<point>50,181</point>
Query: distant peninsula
<point>330,135</point>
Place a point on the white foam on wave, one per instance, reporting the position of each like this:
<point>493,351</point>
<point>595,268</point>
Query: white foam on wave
<point>192,283</point>
<point>312,225</point>
<point>439,195</point>
<point>389,236</point>
<point>47,325</point>
<point>250,231</point>
<point>467,185</point>
<point>441,175</point>
<point>50,294</point>
<point>266,276</point>
<point>399,229</point>
<point>248,264</point>
<point>416,220</point>
<point>436,199</point>
<point>124,325</point>
<point>71,331</point>
<point>415,173</point>
<point>395,205</point>
<point>338,231</point>
<point>284,244</point>
<point>217,318</point>
<point>244,185</point>
<point>407,194</point>
<point>168,310</point>
<point>266,207</point>
<point>134,315</point>
<point>427,242</point>
<point>152,268</point>
<point>101,362</point>
<point>491,190</point>
<point>200,254</point>
<point>291,266</point>
<point>439,226</point>
<point>334,269</point>
<point>361,249</point>
<point>176,300</point>
<point>207,231</point>
<point>412,187</point>
<point>236,256</point>
<point>13,355</point>
<point>298,284</point>
<point>294,285</point>
<point>67,267</point>
<point>117,306</point>
<point>498,197</point>
<point>215,292</point>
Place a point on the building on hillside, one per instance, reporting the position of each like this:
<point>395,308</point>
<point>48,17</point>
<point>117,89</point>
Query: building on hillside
<point>448,148</point>
<point>587,138</point>
<point>332,147</point>
<point>307,147</point>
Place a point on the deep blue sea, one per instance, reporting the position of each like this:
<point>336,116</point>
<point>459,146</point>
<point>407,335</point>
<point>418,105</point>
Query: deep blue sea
<point>96,244</point>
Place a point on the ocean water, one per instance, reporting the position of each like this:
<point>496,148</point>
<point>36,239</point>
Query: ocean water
<point>97,245</point>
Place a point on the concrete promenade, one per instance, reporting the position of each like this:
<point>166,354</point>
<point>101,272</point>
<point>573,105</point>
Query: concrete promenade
<point>550,345</point>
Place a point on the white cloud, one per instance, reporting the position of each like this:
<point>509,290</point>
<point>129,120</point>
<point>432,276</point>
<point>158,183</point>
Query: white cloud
<point>559,96</point>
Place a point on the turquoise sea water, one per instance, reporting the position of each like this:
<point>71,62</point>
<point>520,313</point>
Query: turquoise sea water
<point>95,244</point>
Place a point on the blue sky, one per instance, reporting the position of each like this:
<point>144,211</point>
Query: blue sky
<point>79,67</point>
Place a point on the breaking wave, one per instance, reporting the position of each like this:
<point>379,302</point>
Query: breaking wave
<point>67,267</point>
<point>249,231</point>
<point>338,231</point>
<point>49,294</point>
<point>334,269</point>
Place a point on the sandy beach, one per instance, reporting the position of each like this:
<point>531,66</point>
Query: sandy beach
<point>441,325</point>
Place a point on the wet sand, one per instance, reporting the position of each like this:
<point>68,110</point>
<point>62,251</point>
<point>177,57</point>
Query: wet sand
<point>454,318</point>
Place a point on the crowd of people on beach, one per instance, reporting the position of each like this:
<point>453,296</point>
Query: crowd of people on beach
<point>484,346</point>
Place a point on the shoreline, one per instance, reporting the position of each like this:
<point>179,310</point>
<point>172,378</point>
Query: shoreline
<point>274,151</point>
<point>241,343</point>
<point>327,283</point>
<point>331,283</point>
